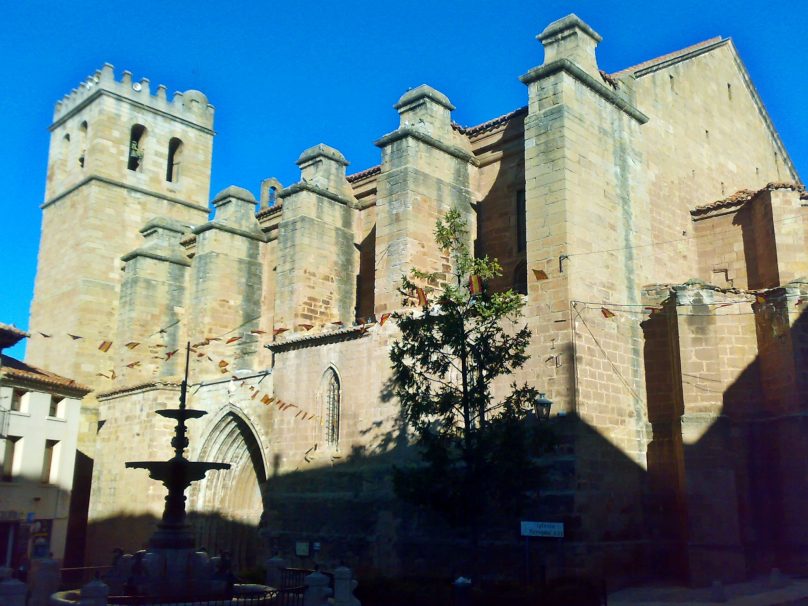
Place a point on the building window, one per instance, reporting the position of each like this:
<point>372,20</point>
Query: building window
<point>56,409</point>
<point>174,158</point>
<point>521,223</point>
<point>82,143</point>
<point>137,138</point>
<point>332,397</point>
<point>520,278</point>
<point>11,457</point>
<point>19,402</point>
<point>50,461</point>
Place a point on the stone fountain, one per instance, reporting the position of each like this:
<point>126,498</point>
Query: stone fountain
<point>171,567</point>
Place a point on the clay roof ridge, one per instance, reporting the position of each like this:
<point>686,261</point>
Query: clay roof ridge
<point>489,124</point>
<point>14,330</point>
<point>269,210</point>
<point>17,369</point>
<point>368,172</point>
<point>164,382</point>
<point>669,56</point>
<point>742,196</point>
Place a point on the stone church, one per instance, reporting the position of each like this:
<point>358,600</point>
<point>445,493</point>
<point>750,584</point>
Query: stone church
<point>651,218</point>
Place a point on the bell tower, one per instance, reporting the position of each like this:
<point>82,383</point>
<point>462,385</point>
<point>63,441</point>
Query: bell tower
<point>119,156</point>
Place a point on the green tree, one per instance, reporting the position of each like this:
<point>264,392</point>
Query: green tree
<point>477,454</point>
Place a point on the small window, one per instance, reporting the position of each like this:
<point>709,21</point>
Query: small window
<point>332,405</point>
<point>174,158</point>
<point>56,409</point>
<point>11,457</point>
<point>137,138</point>
<point>521,223</point>
<point>82,143</point>
<point>520,278</point>
<point>18,401</point>
<point>273,195</point>
<point>50,461</point>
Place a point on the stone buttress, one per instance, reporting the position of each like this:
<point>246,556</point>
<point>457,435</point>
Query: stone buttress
<point>425,172</point>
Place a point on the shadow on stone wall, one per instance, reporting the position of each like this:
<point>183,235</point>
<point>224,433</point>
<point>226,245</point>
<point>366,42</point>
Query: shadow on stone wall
<point>724,505</point>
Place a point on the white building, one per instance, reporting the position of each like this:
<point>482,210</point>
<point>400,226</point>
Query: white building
<point>39,425</point>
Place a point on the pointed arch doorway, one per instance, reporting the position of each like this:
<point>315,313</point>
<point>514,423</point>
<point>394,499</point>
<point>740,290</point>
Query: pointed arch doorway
<point>226,507</point>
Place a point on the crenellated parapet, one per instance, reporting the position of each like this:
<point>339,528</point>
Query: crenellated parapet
<point>191,106</point>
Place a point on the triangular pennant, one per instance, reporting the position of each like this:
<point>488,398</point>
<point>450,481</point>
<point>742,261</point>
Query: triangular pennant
<point>232,340</point>
<point>266,399</point>
<point>606,313</point>
<point>307,327</point>
<point>101,374</point>
<point>74,337</point>
<point>475,285</point>
<point>278,331</point>
<point>45,335</point>
<point>384,318</point>
<point>112,374</point>
<point>540,274</point>
<point>256,331</point>
<point>252,397</point>
<point>760,299</point>
<point>223,363</point>
<point>105,345</point>
<point>422,300</point>
<point>133,364</point>
<point>171,353</point>
<point>132,344</point>
<point>338,323</point>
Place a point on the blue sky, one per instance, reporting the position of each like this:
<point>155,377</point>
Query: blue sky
<point>287,75</point>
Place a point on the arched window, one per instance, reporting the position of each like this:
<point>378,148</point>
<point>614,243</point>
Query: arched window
<point>174,158</point>
<point>137,138</point>
<point>273,195</point>
<point>82,143</point>
<point>331,403</point>
<point>64,153</point>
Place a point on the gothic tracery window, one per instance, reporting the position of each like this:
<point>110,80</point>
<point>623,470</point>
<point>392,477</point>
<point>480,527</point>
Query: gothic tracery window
<point>332,402</point>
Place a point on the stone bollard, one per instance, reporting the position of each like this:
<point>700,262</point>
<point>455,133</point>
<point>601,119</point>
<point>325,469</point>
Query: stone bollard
<point>461,592</point>
<point>717,593</point>
<point>12,591</point>
<point>275,566</point>
<point>317,589</point>
<point>344,585</point>
<point>776,579</point>
<point>43,580</point>
<point>94,593</point>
